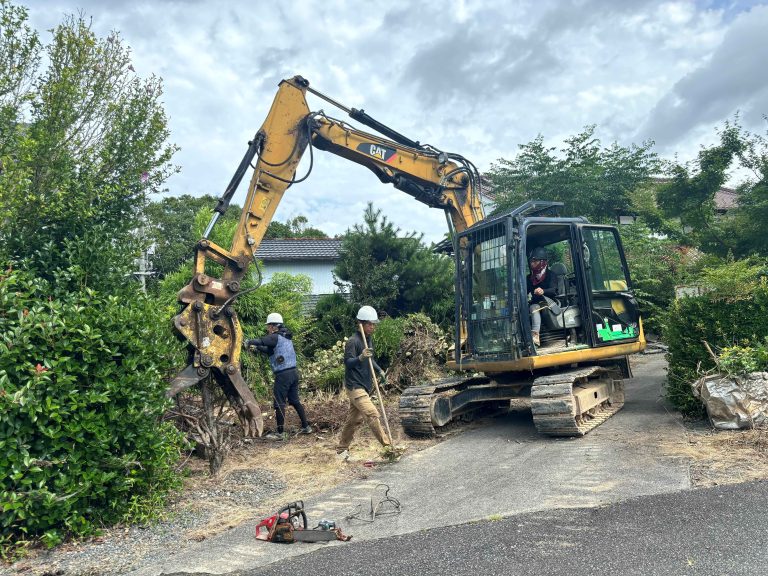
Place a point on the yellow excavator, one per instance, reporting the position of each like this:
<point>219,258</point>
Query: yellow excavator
<point>590,321</point>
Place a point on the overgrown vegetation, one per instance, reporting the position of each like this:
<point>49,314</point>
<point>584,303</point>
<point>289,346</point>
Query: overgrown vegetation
<point>740,360</point>
<point>731,313</point>
<point>83,142</point>
<point>656,266</point>
<point>409,348</point>
<point>82,444</point>
<point>334,320</point>
<point>413,350</point>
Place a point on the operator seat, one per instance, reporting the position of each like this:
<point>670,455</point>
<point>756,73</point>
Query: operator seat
<point>559,273</point>
<point>566,312</point>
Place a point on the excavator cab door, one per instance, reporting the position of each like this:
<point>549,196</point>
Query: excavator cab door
<point>612,314</point>
<point>486,268</point>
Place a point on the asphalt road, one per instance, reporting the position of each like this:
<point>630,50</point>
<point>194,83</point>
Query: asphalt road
<point>543,488</point>
<point>714,532</point>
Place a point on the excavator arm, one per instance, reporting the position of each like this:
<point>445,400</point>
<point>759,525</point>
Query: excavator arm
<point>207,321</point>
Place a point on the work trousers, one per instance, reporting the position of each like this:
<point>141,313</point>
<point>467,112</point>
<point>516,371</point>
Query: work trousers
<point>361,409</point>
<point>536,316</point>
<point>286,391</point>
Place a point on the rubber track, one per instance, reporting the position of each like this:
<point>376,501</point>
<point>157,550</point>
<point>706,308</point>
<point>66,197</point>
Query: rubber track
<point>552,402</point>
<point>416,404</point>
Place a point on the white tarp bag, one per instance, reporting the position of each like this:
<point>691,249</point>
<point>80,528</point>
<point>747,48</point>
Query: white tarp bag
<point>734,402</point>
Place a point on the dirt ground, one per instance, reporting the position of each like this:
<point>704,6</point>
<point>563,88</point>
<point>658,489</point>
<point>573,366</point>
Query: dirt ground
<point>723,456</point>
<point>304,464</point>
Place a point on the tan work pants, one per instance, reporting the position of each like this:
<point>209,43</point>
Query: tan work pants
<point>361,409</point>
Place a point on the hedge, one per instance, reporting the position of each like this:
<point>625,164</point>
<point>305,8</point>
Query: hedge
<point>82,444</point>
<point>719,320</point>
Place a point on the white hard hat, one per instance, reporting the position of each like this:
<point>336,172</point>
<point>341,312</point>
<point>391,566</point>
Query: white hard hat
<point>367,314</point>
<point>274,318</point>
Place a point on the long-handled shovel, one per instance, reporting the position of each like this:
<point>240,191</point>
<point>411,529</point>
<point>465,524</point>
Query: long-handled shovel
<point>376,383</point>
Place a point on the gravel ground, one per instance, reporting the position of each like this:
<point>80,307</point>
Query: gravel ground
<point>120,550</point>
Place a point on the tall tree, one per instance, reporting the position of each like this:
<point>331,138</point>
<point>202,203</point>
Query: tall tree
<point>751,214</point>
<point>169,226</point>
<point>690,195</point>
<point>592,181</point>
<point>395,273</point>
<point>83,143</point>
<point>297,227</point>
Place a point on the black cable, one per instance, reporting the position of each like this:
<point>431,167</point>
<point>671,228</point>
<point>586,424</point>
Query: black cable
<point>311,156</point>
<point>376,510</point>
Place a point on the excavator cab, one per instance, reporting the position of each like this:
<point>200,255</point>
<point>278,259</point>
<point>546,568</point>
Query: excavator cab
<point>589,305</point>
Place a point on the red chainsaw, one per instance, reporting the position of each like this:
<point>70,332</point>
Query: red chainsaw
<point>289,525</point>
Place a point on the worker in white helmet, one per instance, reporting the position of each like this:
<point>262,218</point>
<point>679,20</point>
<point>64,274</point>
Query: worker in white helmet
<point>277,345</point>
<point>358,383</point>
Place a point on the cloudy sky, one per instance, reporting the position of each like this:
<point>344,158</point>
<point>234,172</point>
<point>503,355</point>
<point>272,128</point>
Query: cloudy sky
<point>477,78</point>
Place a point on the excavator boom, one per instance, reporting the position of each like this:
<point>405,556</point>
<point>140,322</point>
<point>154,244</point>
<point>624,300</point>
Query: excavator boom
<point>207,320</point>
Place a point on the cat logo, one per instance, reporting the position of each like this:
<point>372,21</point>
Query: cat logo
<point>384,153</point>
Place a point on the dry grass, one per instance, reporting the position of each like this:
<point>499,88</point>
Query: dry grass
<point>724,456</point>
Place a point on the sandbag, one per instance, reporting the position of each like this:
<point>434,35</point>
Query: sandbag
<point>734,402</point>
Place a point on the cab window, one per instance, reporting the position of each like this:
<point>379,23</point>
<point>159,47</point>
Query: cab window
<point>602,259</point>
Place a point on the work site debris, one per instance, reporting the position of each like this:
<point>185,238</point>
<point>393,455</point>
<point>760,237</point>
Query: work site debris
<point>423,349</point>
<point>734,402</point>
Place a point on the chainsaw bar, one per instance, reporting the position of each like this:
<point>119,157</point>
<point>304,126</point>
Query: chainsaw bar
<point>317,535</point>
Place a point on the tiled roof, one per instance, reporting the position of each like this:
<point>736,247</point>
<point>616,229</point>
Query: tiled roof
<point>726,198</point>
<point>299,249</point>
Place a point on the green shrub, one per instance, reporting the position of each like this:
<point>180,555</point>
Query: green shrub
<point>388,337</point>
<point>740,360</point>
<point>82,443</point>
<point>284,293</point>
<point>334,320</point>
<point>326,371</point>
<point>731,313</point>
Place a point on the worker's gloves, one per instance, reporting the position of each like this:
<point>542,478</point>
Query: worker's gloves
<point>365,354</point>
<point>253,344</point>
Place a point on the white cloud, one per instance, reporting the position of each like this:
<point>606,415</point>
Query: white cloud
<point>477,78</point>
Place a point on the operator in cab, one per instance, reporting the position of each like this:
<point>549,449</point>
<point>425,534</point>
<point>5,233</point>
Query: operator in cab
<point>540,284</point>
<point>277,345</point>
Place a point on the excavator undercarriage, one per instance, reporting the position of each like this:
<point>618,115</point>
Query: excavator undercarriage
<point>564,403</point>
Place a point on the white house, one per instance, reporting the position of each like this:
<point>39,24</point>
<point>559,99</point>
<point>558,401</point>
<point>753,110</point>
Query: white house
<point>313,257</point>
